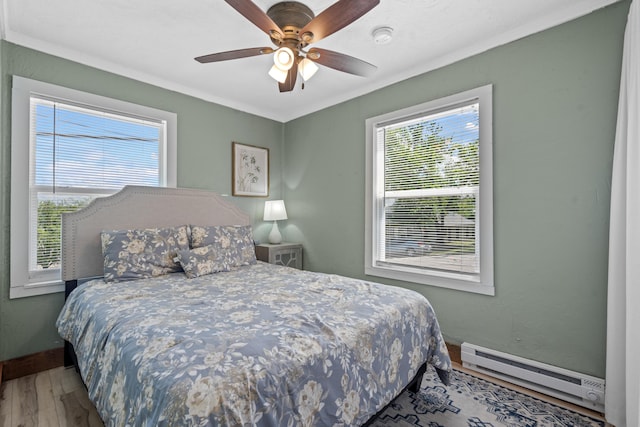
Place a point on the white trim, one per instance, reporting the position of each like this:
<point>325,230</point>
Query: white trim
<point>3,20</point>
<point>453,191</point>
<point>459,284</point>
<point>32,290</point>
<point>558,16</point>
<point>484,284</point>
<point>22,284</point>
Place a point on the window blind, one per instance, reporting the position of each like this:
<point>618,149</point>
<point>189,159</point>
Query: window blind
<point>79,153</point>
<point>431,185</point>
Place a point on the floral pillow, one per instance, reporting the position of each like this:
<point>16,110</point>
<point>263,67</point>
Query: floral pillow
<point>204,260</point>
<point>142,253</point>
<point>235,242</point>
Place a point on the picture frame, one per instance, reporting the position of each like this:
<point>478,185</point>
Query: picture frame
<point>250,176</point>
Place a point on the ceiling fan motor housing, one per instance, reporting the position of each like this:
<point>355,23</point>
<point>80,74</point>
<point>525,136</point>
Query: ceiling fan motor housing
<point>290,16</point>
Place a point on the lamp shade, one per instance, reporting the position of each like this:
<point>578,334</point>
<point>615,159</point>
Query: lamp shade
<point>307,69</point>
<point>278,74</point>
<point>274,210</point>
<point>283,58</point>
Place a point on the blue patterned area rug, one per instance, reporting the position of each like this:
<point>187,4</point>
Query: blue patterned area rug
<point>473,402</point>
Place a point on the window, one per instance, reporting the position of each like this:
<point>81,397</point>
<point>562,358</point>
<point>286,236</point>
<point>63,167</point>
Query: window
<point>69,147</point>
<point>429,193</point>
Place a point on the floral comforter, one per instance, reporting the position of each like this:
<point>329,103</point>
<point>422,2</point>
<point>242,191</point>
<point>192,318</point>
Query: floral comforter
<point>260,345</point>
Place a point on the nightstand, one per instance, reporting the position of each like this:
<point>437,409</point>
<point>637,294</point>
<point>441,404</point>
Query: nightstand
<point>287,254</point>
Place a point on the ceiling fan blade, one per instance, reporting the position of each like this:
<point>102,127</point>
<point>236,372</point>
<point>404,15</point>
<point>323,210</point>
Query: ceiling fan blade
<point>234,54</point>
<point>341,62</point>
<point>290,83</point>
<point>260,19</point>
<point>336,17</point>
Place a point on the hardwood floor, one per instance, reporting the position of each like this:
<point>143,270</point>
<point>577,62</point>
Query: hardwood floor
<point>53,398</point>
<point>57,398</point>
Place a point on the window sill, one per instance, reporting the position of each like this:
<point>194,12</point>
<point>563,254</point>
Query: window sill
<point>431,280</point>
<point>35,289</point>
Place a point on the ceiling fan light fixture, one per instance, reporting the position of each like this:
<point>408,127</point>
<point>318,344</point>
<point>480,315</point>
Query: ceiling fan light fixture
<point>283,58</point>
<point>278,74</point>
<point>307,68</point>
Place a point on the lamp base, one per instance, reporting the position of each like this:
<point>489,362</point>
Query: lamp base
<point>274,236</point>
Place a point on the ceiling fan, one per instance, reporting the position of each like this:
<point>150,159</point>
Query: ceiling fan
<point>292,26</point>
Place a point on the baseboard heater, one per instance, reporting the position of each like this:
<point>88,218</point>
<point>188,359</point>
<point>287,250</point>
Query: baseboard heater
<point>563,384</point>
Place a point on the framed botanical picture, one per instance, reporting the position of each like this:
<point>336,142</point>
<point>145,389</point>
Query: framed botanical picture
<point>250,170</point>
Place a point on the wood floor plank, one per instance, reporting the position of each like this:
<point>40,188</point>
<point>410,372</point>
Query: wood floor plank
<point>73,406</point>
<point>75,410</point>
<point>93,418</point>
<point>46,401</point>
<point>56,375</point>
<point>71,380</point>
<point>24,408</point>
<point>6,392</point>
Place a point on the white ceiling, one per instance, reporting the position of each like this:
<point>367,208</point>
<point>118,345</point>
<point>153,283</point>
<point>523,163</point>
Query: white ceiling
<point>155,41</point>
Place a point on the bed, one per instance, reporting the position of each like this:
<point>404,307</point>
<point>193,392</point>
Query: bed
<point>224,339</point>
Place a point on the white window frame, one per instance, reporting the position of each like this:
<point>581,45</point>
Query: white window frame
<point>22,285</point>
<point>374,198</point>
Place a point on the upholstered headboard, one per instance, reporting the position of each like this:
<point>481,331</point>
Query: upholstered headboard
<point>137,207</point>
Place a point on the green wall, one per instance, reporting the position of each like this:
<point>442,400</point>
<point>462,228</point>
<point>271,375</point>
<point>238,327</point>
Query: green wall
<point>555,102</point>
<point>205,133</point>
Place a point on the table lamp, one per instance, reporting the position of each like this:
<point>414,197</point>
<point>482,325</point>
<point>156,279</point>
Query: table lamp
<point>274,210</point>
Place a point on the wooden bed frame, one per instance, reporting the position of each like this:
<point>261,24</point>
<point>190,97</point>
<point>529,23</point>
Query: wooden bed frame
<point>142,207</point>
